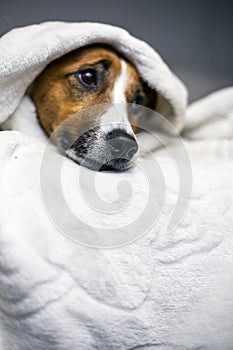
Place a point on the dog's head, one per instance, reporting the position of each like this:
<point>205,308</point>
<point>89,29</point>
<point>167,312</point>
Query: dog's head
<point>89,101</point>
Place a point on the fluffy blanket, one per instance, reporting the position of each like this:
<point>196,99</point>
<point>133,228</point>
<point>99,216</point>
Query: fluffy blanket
<point>135,260</point>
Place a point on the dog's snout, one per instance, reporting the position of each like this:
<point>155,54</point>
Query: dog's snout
<point>121,144</point>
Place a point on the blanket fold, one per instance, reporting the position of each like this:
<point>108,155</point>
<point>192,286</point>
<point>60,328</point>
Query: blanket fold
<point>32,48</point>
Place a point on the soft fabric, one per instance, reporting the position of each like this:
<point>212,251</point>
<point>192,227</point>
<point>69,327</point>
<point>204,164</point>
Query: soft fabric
<point>211,117</point>
<point>67,281</point>
<point>25,52</point>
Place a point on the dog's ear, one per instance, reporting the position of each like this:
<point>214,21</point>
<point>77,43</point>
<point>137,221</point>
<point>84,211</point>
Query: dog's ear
<point>151,97</point>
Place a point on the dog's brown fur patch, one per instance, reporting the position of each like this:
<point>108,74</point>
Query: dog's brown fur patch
<point>58,95</point>
<point>56,92</point>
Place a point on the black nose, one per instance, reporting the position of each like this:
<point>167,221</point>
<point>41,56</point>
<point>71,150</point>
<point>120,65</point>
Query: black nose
<point>121,144</point>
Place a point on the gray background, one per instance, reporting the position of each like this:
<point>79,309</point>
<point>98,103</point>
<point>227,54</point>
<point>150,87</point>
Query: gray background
<point>195,37</point>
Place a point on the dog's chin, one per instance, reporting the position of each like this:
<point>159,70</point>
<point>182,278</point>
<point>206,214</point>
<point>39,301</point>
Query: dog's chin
<point>116,165</point>
<point>100,165</point>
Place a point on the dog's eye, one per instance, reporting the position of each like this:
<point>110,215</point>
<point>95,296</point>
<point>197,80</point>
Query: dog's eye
<point>88,77</point>
<point>137,103</point>
<point>139,100</point>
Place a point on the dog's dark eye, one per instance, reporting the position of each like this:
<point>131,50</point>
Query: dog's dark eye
<point>88,77</point>
<point>139,100</point>
<point>137,103</point>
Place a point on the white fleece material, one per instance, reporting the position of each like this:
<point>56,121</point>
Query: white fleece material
<point>168,289</point>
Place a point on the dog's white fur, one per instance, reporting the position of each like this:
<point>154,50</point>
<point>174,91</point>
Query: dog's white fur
<point>116,117</point>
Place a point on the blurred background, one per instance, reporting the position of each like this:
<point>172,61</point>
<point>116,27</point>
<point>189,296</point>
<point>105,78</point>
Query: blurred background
<point>195,37</point>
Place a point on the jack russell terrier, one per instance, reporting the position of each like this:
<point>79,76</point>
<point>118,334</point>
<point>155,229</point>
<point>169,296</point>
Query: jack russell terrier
<point>88,102</point>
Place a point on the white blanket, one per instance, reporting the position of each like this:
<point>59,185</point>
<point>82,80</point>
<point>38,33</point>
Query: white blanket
<point>135,260</point>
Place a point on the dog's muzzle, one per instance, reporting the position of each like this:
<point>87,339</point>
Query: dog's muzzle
<point>121,148</point>
<point>101,151</point>
<point>121,145</point>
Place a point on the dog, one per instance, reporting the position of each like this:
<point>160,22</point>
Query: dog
<point>88,101</point>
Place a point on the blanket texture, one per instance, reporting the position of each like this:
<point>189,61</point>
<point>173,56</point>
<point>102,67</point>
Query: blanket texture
<point>135,260</point>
